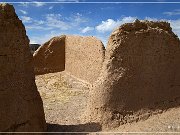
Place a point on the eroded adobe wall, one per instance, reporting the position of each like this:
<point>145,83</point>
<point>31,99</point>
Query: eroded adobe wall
<point>140,75</point>
<point>50,57</point>
<point>79,56</point>
<point>20,103</point>
<point>84,57</point>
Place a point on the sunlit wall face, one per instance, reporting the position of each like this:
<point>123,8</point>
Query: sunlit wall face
<point>47,19</point>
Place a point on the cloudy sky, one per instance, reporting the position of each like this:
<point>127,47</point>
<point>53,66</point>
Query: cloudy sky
<point>45,20</point>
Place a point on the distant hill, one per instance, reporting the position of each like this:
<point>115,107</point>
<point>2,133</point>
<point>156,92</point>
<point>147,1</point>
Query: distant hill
<point>34,47</point>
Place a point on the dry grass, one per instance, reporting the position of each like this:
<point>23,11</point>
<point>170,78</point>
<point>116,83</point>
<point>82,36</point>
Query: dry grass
<point>54,88</point>
<point>64,97</point>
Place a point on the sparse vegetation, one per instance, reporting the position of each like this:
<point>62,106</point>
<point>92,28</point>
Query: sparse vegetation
<point>54,88</point>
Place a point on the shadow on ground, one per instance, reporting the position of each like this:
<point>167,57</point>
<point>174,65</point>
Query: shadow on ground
<point>88,127</point>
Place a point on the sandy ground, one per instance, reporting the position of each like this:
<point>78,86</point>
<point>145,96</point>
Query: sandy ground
<point>65,97</point>
<point>168,121</point>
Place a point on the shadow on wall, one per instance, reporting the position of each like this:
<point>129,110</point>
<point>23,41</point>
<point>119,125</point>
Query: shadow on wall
<point>88,127</point>
<point>50,57</point>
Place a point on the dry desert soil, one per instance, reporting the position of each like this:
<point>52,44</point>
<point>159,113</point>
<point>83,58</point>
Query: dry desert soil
<point>65,97</point>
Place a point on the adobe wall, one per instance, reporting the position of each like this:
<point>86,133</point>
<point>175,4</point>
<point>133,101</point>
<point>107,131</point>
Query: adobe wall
<point>84,57</point>
<point>21,108</point>
<point>50,57</point>
<point>140,76</point>
<point>79,56</point>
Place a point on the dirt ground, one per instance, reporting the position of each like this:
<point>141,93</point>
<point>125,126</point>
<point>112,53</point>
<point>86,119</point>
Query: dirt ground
<point>65,97</point>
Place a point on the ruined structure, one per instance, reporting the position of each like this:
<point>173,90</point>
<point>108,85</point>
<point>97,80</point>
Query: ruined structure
<point>50,57</point>
<point>21,108</point>
<point>84,57</point>
<point>140,75</point>
<point>79,56</point>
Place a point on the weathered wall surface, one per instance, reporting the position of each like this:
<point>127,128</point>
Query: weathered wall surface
<point>80,56</point>
<point>84,57</point>
<point>50,57</point>
<point>21,107</point>
<point>140,75</point>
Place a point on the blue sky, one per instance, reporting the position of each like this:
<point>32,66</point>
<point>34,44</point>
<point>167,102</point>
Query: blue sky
<point>45,20</point>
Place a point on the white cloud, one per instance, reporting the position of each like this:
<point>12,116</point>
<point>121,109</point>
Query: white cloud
<point>55,21</point>
<point>31,23</point>
<point>32,3</point>
<point>151,19</point>
<point>44,38</point>
<point>175,24</point>
<point>33,41</point>
<point>24,4</point>
<point>50,16</point>
<point>76,19</point>
<point>26,19</point>
<point>103,38</point>
<point>108,8</point>
<point>58,21</point>
<point>51,7</point>
<point>172,13</point>
<point>127,19</point>
<point>37,27</point>
<point>87,29</point>
<point>107,25</point>
<point>38,4</point>
<point>39,22</point>
<point>23,12</point>
<point>110,24</point>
